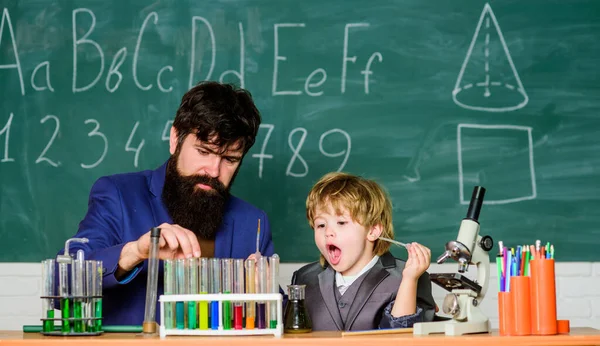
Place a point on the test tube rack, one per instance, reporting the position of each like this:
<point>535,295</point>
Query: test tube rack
<point>75,283</point>
<point>221,297</point>
<point>69,324</point>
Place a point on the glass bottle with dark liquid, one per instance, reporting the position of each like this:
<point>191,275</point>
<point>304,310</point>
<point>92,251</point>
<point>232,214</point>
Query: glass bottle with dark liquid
<point>296,319</point>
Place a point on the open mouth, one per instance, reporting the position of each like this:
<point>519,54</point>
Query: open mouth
<point>335,254</point>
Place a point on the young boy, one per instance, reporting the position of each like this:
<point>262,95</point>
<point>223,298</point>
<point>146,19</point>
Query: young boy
<point>358,284</point>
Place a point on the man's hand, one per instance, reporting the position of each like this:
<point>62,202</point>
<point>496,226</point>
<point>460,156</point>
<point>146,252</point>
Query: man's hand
<point>175,242</point>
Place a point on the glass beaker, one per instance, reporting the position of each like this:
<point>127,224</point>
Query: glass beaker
<point>296,319</point>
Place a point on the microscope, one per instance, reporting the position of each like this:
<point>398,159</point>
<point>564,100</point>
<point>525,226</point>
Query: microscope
<point>464,299</point>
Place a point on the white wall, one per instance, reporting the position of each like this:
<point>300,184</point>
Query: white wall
<point>578,295</point>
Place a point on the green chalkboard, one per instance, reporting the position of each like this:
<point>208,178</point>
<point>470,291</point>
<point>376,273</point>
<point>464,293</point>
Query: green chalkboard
<point>430,98</point>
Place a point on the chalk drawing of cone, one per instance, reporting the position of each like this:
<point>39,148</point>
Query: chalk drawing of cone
<point>488,80</point>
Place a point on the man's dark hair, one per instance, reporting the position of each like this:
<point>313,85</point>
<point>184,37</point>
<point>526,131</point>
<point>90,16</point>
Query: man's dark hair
<point>219,114</point>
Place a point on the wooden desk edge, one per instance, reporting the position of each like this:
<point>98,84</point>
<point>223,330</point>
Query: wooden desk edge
<point>578,336</point>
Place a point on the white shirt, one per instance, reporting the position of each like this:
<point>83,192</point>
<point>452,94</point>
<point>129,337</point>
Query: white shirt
<point>343,282</point>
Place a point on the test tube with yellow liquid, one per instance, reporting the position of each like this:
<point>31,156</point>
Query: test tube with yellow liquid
<point>204,289</point>
<point>250,288</point>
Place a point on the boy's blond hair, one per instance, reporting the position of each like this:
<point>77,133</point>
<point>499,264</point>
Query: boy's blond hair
<point>366,201</point>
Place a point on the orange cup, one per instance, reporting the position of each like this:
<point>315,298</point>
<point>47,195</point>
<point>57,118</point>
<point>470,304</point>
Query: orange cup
<point>563,326</point>
<point>543,293</point>
<point>505,313</point>
<point>521,301</point>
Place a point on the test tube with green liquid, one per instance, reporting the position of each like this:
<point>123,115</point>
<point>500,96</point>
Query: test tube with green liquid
<point>65,302</point>
<point>89,292</point>
<point>250,288</point>
<point>238,288</point>
<point>273,288</point>
<point>192,288</point>
<point>227,264</point>
<point>204,289</point>
<point>180,289</point>
<point>98,301</point>
<point>169,289</point>
<point>77,284</point>
<point>48,291</point>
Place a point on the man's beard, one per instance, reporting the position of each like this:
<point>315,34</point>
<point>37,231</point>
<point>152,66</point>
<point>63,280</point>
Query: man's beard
<point>200,211</point>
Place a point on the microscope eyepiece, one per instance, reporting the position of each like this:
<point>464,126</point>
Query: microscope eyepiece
<point>476,202</point>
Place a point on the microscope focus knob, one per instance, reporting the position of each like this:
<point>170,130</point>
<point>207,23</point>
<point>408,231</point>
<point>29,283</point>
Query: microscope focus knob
<point>487,243</point>
<point>450,305</point>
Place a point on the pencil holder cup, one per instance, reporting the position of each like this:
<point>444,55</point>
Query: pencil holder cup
<point>543,301</point>
<point>521,303</point>
<point>505,312</point>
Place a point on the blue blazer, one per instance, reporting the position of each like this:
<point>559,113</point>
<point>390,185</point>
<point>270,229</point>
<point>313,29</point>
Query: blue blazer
<point>123,207</point>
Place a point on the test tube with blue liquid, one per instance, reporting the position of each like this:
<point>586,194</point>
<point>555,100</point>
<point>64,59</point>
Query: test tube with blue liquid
<point>273,288</point>
<point>48,291</point>
<point>227,289</point>
<point>204,289</point>
<point>180,289</point>
<point>192,288</point>
<point>215,267</point>
<point>250,288</point>
<point>261,309</point>
<point>238,288</point>
<point>170,283</point>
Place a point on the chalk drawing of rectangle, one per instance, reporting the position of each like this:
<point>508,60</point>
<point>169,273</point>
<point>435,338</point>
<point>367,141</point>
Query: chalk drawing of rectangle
<point>527,129</point>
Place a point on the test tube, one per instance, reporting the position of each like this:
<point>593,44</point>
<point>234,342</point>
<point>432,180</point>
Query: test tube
<point>204,289</point>
<point>77,286</point>
<point>98,292</point>
<point>149,325</point>
<point>215,267</point>
<point>250,288</point>
<point>227,264</point>
<point>90,291</point>
<point>180,289</point>
<point>274,288</point>
<point>192,276</point>
<point>261,311</point>
<point>169,289</point>
<point>65,302</point>
<point>48,291</point>
<point>238,288</point>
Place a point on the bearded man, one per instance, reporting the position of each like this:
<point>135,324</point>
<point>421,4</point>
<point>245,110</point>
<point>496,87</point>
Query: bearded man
<point>187,198</point>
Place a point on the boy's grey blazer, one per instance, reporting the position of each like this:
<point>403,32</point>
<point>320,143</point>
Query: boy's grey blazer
<point>376,291</point>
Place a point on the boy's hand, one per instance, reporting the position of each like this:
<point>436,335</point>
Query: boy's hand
<point>419,257</point>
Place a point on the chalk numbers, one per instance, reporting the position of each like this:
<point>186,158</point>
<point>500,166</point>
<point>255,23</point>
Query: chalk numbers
<point>297,166</point>
<point>97,144</point>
